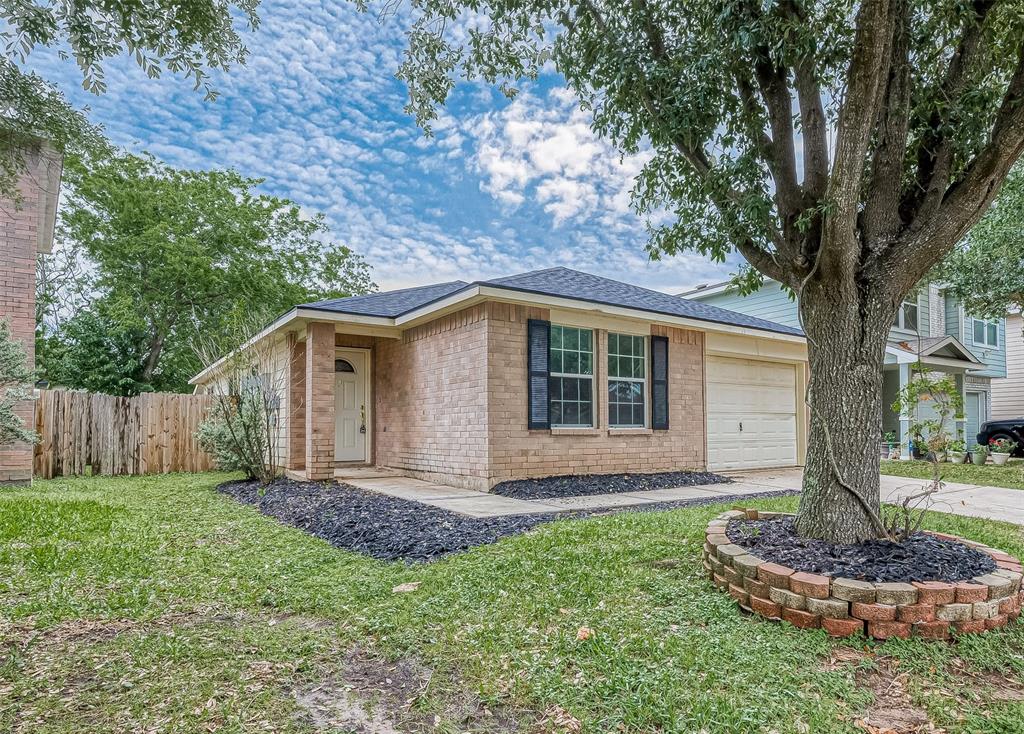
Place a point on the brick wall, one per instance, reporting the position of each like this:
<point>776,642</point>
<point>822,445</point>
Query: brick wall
<point>18,242</point>
<point>449,404</point>
<point>295,403</point>
<point>319,405</point>
<point>516,452</point>
<point>430,390</point>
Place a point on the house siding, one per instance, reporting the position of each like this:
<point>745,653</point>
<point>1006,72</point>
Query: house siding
<point>769,302</point>
<point>993,357</point>
<point>1008,391</point>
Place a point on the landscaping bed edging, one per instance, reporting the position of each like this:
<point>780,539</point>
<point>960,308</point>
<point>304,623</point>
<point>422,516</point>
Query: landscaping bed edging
<point>844,607</point>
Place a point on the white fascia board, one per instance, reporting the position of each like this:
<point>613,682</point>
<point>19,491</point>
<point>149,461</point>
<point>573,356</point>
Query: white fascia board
<point>296,314</point>
<point>314,314</point>
<point>274,326</point>
<point>902,356</point>
<point>546,301</point>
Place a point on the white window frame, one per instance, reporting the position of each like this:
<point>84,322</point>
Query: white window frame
<point>642,380</point>
<point>901,316</point>
<point>985,342</point>
<point>580,376</point>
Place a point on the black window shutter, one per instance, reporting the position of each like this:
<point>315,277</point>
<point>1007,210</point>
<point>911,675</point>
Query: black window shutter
<point>538,339</point>
<point>659,383</point>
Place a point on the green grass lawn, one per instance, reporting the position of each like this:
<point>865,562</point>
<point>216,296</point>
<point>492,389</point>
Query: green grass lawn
<point>1009,475</point>
<point>155,604</point>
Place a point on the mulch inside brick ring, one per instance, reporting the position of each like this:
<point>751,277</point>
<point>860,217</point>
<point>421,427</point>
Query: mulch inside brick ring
<point>922,557</point>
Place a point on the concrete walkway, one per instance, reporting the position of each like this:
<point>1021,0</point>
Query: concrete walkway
<point>994,503</point>
<point>481,504</point>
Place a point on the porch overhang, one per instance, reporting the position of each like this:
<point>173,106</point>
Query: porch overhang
<point>944,353</point>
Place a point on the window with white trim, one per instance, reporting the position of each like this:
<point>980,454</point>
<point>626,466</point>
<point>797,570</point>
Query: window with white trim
<point>986,333</point>
<point>571,381</point>
<point>906,316</point>
<point>627,381</point>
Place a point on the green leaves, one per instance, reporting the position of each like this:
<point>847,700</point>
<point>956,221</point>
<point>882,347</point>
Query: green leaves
<point>15,383</point>
<point>987,272</point>
<point>179,256</point>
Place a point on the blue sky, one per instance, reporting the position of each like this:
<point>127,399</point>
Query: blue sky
<point>503,186</point>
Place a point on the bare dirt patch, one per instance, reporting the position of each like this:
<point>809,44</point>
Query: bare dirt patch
<point>373,696</point>
<point>892,711</point>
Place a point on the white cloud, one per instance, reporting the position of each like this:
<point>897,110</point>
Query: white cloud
<point>501,187</point>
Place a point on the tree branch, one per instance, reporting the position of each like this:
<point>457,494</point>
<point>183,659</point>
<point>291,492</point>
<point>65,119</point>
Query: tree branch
<point>726,201</point>
<point>869,68</point>
<point>966,200</point>
<point>935,150</point>
<point>881,220</point>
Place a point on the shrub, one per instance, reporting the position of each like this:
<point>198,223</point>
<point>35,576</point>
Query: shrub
<point>15,379</point>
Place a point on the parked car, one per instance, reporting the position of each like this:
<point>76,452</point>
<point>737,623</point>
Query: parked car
<point>1012,429</point>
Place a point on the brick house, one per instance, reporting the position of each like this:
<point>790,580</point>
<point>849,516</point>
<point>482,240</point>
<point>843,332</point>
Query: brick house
<point>543,373</point>
<point>26,229</point>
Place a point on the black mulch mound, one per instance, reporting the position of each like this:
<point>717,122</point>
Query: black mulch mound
<point>587,484</point>
<point>391,529</point>
<point>921,557</point>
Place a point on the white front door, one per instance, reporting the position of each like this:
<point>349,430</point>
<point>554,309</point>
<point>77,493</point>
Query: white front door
<point>350,388</point>
<point>751,414</point>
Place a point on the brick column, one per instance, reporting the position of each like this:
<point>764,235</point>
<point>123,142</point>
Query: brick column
<point>319,401</point>
<point>19,238</point>
<point>296,403</point>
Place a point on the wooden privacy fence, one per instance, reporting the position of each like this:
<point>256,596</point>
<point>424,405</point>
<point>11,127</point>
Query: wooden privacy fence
<point>152,433</point>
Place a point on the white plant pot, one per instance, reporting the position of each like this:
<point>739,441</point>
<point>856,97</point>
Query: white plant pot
<point>1000,459</point>
<point>958,457</point>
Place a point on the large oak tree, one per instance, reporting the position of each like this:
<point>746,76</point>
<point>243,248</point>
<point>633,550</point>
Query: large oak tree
<point>842,148</point>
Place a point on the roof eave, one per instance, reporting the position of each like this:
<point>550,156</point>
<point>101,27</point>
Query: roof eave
<point>481,291</point>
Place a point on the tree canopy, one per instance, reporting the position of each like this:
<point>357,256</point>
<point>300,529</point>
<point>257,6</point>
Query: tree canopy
<point>842,148</point>
<point>187,39</point>
<point>987,271</point>
<point>172,257</point>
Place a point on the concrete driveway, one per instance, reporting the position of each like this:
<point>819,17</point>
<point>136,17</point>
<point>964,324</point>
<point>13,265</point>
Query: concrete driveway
<point>971,500</point>
<point>994,503</point>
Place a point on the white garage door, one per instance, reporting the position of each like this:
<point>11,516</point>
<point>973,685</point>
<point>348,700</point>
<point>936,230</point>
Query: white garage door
<point>751,414</point>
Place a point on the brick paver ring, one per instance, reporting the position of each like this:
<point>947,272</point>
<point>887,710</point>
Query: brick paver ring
<point>929,609</point>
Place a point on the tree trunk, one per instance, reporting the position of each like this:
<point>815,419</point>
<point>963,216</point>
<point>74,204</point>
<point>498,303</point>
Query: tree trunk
<point>846,336</point>
<point>156,347</point>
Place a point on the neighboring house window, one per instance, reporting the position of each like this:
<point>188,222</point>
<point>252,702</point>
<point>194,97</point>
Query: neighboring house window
<point>986,333</point>
<point>906,317</point>
<point>627,381</point>
<point>572,377</point>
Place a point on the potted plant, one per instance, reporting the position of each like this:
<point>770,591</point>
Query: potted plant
<point>888,445</point>
<point>979,454</point>
<point>1001,448</point>
<point>957,452</point>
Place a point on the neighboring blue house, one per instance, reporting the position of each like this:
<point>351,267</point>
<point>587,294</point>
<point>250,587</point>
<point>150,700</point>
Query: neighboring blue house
<point>932,327</point>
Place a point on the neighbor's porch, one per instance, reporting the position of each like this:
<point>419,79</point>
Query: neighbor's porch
<point>941,354</point>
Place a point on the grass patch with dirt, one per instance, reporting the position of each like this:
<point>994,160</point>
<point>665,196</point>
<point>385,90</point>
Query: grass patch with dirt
<point>1009,475</point>
<point>158,604</point>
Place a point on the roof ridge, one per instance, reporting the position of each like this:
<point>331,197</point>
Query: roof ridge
<point>384,293</point>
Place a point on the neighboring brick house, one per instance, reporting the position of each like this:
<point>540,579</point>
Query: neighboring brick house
<point>932,327</point>
<point>543,373</point>
<point>26,229</point>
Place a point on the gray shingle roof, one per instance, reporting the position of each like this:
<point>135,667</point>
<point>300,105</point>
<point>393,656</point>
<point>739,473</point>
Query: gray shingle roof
<point>561,282</point>
<point>389,304</point>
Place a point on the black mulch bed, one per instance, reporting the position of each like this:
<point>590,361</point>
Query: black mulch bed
<point>587,484</point>
<point>921,557</point>
<point>391,529</point>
